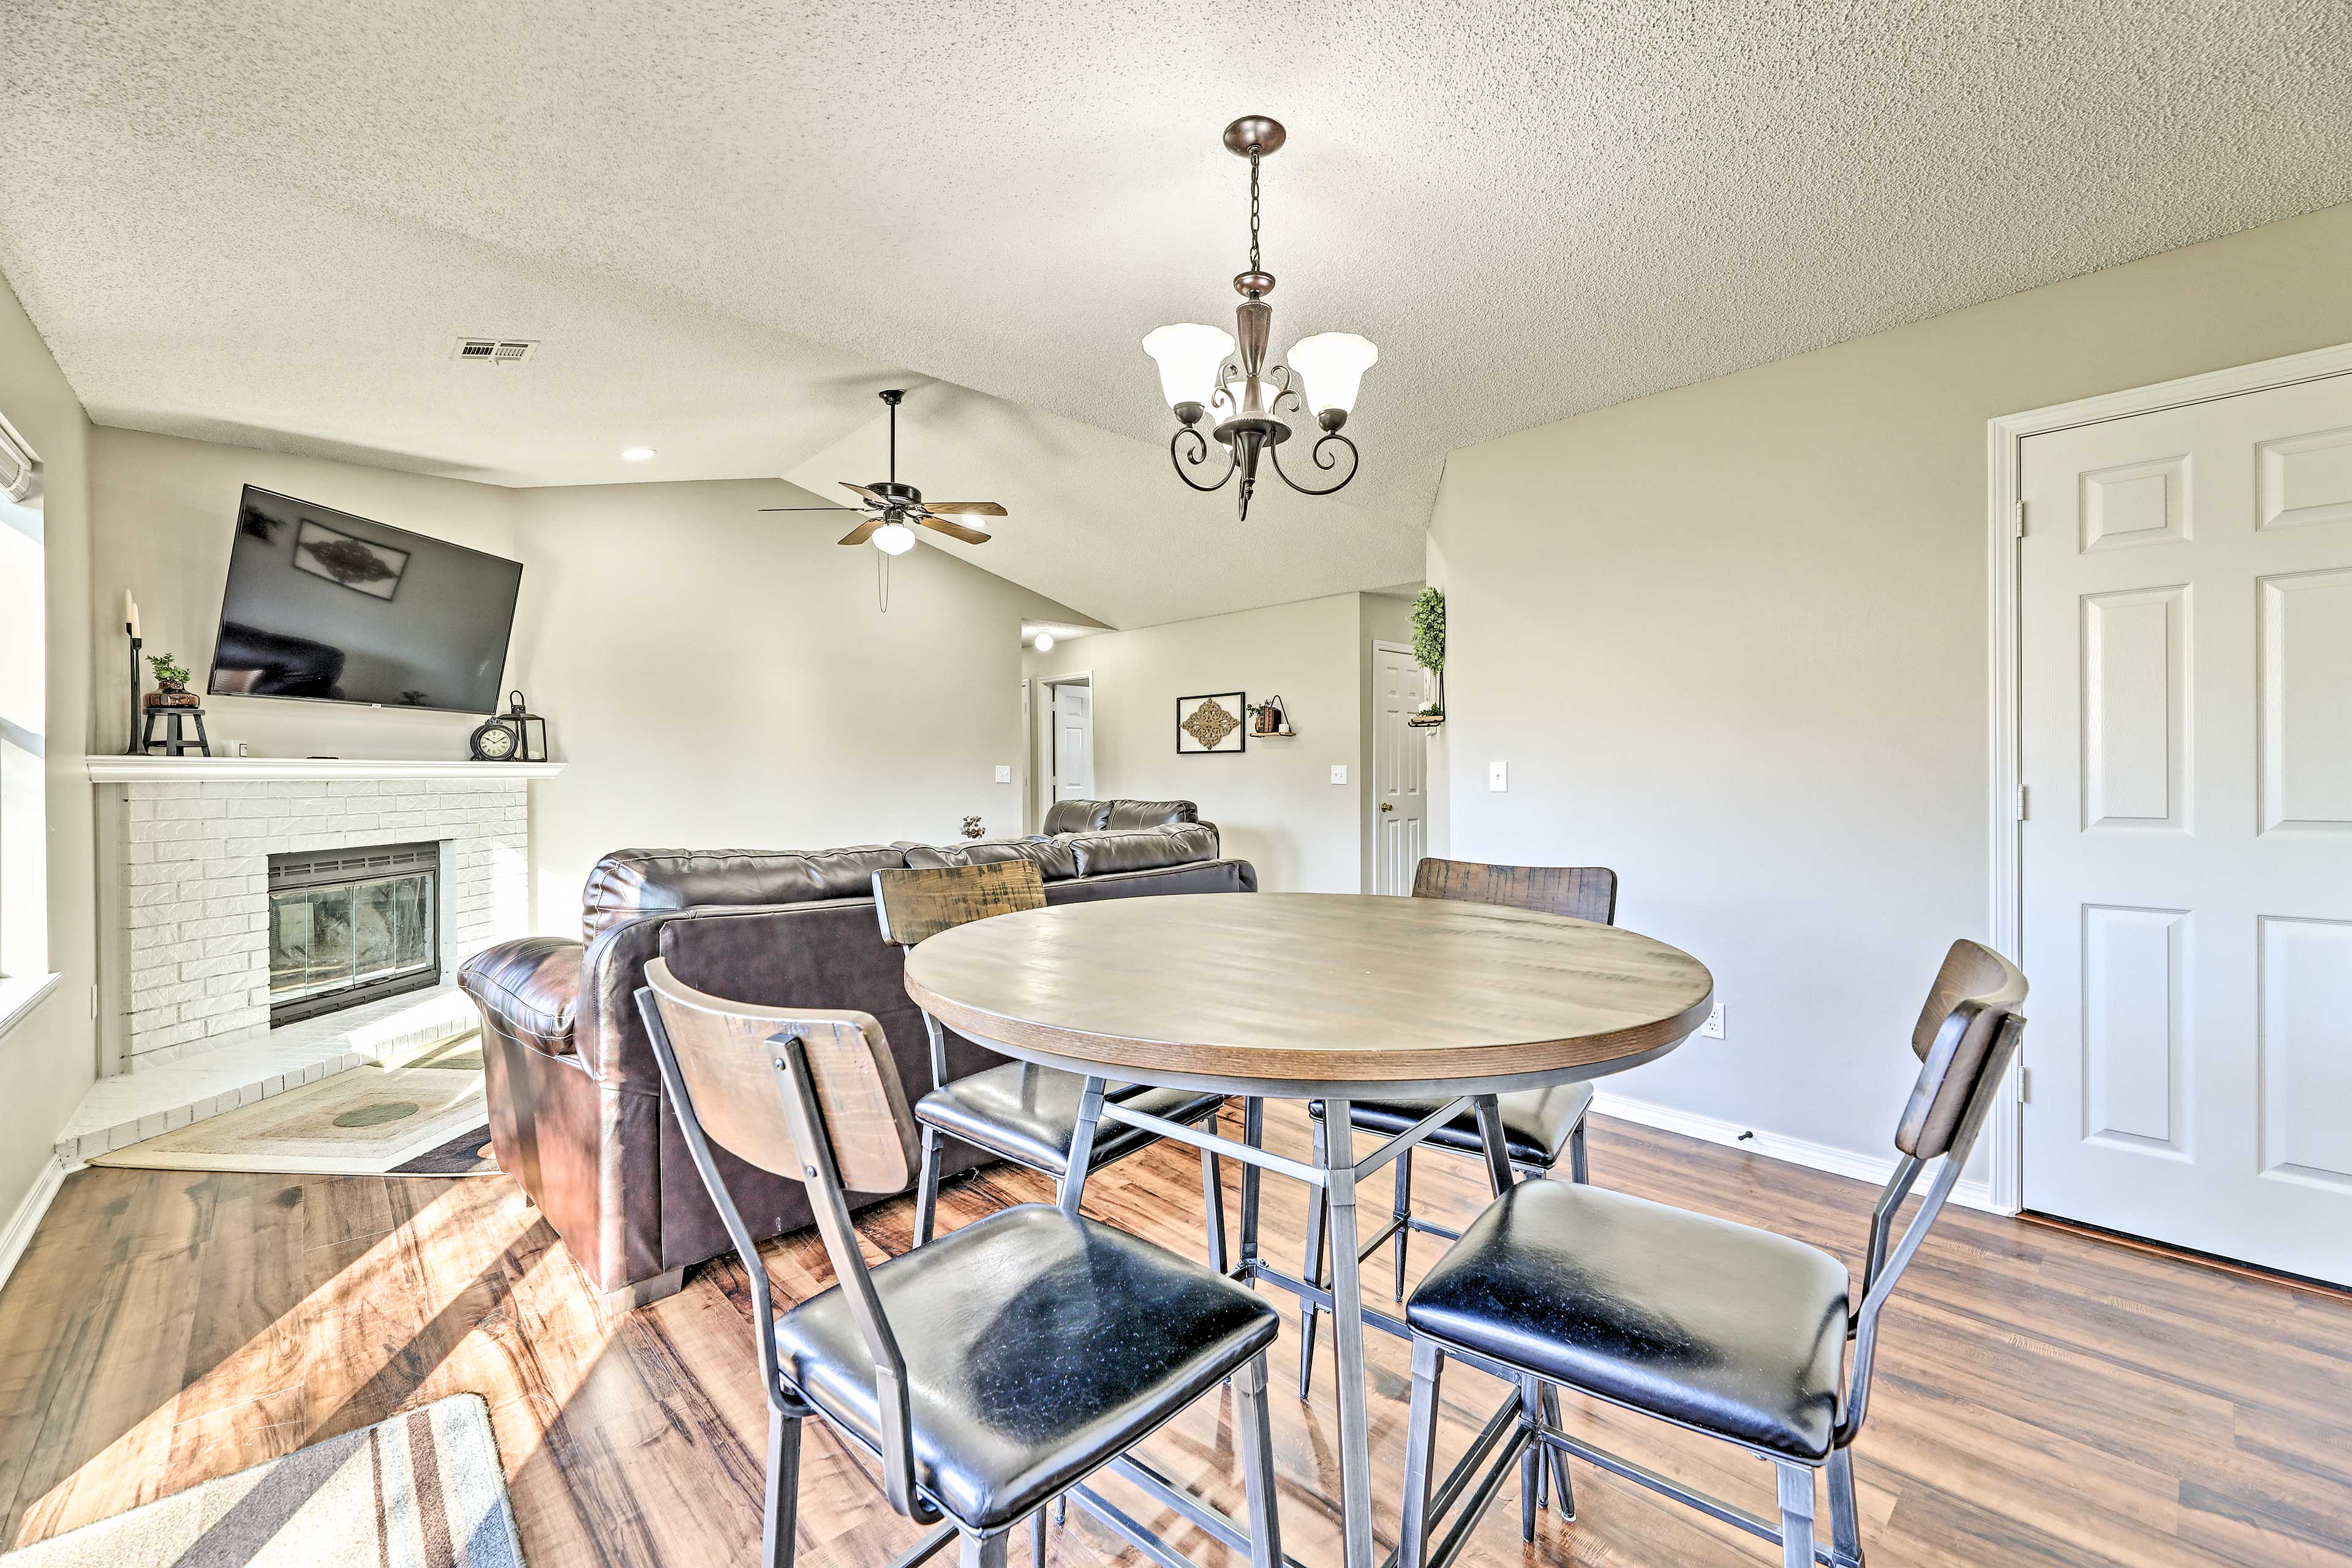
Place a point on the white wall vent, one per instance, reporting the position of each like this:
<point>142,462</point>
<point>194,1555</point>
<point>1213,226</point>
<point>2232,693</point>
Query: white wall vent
<point>495,351</point>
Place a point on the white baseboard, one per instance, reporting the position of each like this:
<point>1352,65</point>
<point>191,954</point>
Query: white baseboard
<point>21,1224</point>
<point>1868,1168</point>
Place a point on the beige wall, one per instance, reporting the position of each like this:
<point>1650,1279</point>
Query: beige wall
<point>164,512</point>
<point>1273,804</point>
<point>48,1061</point>
<point>719,678</point>
<point>1731,641</point>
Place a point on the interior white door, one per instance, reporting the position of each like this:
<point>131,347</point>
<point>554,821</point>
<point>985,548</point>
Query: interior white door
<point>1074,742</point>
<point>2187,742</point>
<point>1400,772</point>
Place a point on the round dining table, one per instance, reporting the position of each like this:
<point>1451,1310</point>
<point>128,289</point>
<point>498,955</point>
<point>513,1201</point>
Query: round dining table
<point>1308,997</point>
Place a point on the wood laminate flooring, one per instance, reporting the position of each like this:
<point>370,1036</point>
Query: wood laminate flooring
<point>2042,1397</point>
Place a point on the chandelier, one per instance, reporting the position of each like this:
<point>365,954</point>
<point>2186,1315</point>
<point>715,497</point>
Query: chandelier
<point>1252,402</point>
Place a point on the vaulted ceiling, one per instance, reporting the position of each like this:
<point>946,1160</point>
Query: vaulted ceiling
<point>268,222</point>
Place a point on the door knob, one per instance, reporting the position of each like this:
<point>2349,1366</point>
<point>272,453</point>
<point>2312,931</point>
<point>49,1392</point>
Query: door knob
<point>1386,806</point>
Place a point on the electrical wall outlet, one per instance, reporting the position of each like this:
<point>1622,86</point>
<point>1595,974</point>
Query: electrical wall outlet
<point>1004,773</point>
<point>1712,1027</point>
<point>1339,772</point>
<point>1498,777</point>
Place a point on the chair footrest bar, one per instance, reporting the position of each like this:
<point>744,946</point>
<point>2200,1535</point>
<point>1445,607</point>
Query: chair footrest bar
<point>1480,1500</point>
<point>1127,1529</point>
<point>1643,1476</point>
<point>1227,1532</point>
<point>923,1551</point>
<point>1428,1228</point>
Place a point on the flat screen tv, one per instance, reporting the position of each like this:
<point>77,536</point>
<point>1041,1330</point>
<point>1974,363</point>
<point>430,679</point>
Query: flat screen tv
<point>333,607</point>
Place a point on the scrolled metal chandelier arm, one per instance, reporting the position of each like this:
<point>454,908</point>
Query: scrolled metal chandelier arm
<point>1199,455</point>
<point>1321,461</point>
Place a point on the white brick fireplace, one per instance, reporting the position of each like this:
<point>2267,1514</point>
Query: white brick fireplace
<point>184,848</point>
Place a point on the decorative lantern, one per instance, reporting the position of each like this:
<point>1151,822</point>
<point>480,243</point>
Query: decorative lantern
<point>529,730</point>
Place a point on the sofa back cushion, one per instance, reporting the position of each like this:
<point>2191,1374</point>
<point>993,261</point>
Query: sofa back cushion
<point>1126,814</point>
<point>1075,816</point>
<point>1054,859</point>
<point>630,882</point>
<point>1142,848</point>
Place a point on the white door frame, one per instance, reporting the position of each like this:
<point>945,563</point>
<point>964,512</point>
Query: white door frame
<point>2004,526</point>
<point>1045,721</point>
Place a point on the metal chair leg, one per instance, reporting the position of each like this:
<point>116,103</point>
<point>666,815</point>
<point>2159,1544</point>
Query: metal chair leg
<point>927,1188</point>
<point>1578,1168</point>
<point>1038,1539</point>
<point>1531,1465</point>
<point>1846,1523</point>
<point>778,1525</point>
<point>1212,1204</point>
<point>1402,1211</point>
<point>1796,1515</point>
<point>1420,1453</point>
<point>1254,1429</point>
<point>985,1551</point>
<point>1313,1273</point>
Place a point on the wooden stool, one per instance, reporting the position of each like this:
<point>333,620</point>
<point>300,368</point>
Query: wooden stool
<point>175,742</point>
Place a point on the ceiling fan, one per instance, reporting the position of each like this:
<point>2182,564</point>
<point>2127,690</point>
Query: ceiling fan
<point>890,507</point>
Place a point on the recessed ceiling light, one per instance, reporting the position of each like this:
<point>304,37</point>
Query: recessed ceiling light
<point>1044,642</point>
<point>637,453</point>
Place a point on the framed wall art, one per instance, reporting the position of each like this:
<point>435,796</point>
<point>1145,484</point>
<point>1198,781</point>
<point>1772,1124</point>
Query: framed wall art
<point>1211,726</point>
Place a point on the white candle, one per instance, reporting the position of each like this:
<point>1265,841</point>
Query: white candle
<point>129,613</point>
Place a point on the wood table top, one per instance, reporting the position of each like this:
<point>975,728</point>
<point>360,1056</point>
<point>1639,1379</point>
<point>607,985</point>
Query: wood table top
<point>1313,993</point>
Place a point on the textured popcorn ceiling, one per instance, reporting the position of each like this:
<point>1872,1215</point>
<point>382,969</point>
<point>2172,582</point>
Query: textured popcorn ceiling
<point>266,222</point>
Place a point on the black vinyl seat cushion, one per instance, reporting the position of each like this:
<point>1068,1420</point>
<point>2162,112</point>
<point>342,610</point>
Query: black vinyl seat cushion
<point>1535,1122</point>
<point>1038,1347</point>
<point>1029,1114</point>
<point>1730,1331</point>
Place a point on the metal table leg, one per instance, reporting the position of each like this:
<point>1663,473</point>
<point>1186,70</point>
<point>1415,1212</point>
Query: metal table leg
<point>1348,1338</point>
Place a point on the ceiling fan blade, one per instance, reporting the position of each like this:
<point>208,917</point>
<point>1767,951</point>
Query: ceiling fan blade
<point>862,532</point>
<point>869,495</point>
<point>953,530</point>
<point>975,507</point>
<point>847,509</point>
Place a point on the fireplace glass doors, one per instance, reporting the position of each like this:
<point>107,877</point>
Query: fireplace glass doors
<point>348,926</point>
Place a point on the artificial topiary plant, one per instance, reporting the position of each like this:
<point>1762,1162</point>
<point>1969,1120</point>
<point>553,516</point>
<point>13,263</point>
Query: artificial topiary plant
<point>170,673</point>
<point>1429,644</point>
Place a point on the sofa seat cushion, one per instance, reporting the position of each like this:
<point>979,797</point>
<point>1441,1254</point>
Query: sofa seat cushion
<point>631,882</point>
<point>1055,860</point>
<point>1029,1114</point>
<point>1038,1347</point>
<point>530,989</point>
<point>1142,848</point>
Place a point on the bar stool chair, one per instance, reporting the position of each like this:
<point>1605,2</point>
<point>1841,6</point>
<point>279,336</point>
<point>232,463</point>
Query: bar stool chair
<point>1715,1327</point>
<point>1539,1125</point>
<point>1018,1111</point>
<point>1039,1345</point>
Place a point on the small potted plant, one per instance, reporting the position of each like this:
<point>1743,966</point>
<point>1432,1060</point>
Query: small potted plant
<point>171,682</point>
<point>1429,652</point>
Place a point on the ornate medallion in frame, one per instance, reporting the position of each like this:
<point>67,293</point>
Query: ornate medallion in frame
<point>1212,725</point>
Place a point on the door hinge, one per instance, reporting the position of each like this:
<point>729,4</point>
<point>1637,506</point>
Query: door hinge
<point>2017,520</point>
<point>2024,804</point>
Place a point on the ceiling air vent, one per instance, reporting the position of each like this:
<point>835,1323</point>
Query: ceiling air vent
<point>495,351</point>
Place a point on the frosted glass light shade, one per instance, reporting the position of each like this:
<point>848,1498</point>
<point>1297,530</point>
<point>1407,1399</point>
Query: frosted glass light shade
<point>894,538</point>
<point>1187,354</point>
<point>1044,642</point>
<point>1331,366</point>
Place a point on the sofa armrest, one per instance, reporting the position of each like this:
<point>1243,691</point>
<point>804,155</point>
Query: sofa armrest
<point>528,990</point>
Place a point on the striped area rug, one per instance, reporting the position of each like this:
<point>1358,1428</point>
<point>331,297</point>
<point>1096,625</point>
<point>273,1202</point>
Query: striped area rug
<point>420,1490</point>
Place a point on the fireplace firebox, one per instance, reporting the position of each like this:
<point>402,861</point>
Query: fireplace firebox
<point>348,926</point>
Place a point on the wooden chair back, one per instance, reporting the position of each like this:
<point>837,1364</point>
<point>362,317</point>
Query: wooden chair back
<point>734,1079</point>
<point>1976,993</point>
<point>1583,892</point>
<point>917,902</point>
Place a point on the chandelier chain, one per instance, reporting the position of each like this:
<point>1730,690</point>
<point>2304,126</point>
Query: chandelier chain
<point>1254,157</point>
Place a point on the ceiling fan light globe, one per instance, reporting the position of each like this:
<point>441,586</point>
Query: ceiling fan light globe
<point>1330,367</point>
<point>894,538</point>
<point>1187,354</point>
<point>1044,642</point>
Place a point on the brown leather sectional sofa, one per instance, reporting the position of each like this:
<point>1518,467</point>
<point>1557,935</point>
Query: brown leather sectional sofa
<point>576,1104</point>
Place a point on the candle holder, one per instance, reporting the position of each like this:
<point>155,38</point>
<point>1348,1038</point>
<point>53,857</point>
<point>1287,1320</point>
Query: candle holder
<point>132,747</point>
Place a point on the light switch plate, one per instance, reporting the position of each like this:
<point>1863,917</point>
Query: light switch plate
<point>1004,773</point>
<point>1339,772</point>
<point>1498,776</point>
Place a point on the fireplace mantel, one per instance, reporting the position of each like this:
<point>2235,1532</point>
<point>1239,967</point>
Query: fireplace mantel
<point>156,770</point>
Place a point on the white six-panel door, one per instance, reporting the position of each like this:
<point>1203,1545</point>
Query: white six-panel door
<point>1400,771</point>
<point>1074,742</point>
<point>2187,744</point>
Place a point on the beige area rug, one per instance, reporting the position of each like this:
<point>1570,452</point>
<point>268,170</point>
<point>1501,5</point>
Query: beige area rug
<point>420,1490</point>
<point>364,1122</point>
